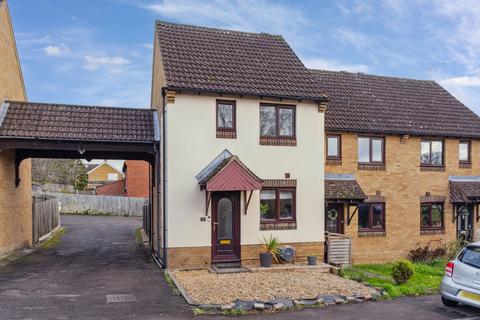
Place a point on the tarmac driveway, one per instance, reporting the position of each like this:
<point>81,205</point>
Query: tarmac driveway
<point>97,271</point>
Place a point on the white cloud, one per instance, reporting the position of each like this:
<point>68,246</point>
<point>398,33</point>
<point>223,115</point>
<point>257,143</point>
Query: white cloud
<point>465,81</point>
<point>56,51</point>
<point>147,45</point>
<point>96,62</point>
<point>334,65</point>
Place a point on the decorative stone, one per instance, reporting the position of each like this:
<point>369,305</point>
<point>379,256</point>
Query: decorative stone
<point>258,306</point>
<point>225,307</point>
<point>339,300</point>
<point>278,306</point>
<point>367,297</point>
<point>287,303</point>
<point>244,305</point>
<point>320,301</point>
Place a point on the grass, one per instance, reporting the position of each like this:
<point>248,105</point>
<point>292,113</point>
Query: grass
<point>426,280</point>
<point>53,241</point>
<point>138,235</point>
<point>171,283</point>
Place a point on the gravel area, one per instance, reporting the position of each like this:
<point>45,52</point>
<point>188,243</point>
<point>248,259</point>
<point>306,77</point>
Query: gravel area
<point>205,287</point>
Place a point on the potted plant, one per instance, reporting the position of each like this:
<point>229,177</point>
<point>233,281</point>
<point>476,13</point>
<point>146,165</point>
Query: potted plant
<point>312,260</point>
<point>271,249</point>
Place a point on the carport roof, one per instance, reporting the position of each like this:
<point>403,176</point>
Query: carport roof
<point>27,120</point>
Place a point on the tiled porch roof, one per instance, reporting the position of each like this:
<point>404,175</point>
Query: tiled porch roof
<point>464,191</point>
<point>343,189</point>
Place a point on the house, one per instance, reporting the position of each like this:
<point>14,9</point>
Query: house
<point>137,178</point>
<point>100,174</point>
<point>15,202</point>
<point>402,164</point>
<point>242,150</point>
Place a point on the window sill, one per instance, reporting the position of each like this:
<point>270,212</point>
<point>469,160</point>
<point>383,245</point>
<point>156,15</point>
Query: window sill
<point>278,225</point>
<point>465,165</point>
<point>334,162</point>
<point>364,234</point>
<point>226,134</point>
<point>285,142</point>
<point>432,168</point>
<point>425,232</point>
<point>371,166</point>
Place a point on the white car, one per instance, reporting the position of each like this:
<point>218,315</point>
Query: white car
<point>461,282</point>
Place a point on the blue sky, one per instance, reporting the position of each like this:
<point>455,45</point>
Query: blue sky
<point>100,51</point>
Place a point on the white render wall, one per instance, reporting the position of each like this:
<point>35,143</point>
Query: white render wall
<point>192,144</point>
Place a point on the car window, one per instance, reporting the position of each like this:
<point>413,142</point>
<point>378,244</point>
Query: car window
<point>471,256</point>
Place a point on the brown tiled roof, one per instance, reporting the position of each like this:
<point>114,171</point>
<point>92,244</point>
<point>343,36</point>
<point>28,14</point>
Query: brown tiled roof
<point>343,190</point>
<point>464,191</point>
<point>207,59</point>
<point>366,103</point>
<point>73,122</point>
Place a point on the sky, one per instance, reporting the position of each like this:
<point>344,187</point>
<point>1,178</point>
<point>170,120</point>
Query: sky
<point>99,52</point>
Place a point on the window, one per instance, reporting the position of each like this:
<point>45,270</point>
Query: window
<point>431,153</point>
<point>277,205</point>
<point>464,152</point>
<point>471,256</point>
<point>371,217</point>
<point>371,150</point>
<point>112,177</point>
<point>334,146</point>
<point>431,216</point>
<point>226,116</point>
<point>277,121</point>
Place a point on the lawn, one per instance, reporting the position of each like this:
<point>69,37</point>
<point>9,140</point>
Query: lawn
<point>426,280</point>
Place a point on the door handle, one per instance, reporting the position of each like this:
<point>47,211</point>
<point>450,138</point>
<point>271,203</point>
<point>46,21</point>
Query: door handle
<point>215,226</point>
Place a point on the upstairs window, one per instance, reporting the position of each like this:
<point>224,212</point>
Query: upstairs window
<point>334,149</point>
<point>464,152</point>
<point>277,121</point>
<point>431,216</point>
<point>371,217</point>
<point>226,119</point>
<point>431,153</point>
<point>371,150</point>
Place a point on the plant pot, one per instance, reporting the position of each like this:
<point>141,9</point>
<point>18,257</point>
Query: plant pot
<point>312,260</point>
<point>265,260</point>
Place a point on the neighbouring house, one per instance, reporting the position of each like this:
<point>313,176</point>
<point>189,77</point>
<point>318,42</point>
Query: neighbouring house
<point>137,178</point>
<point>15,201</point>
<point>100,174</point>
<point>109,188</point>
<point>402,164</point>
<point>242,149</point>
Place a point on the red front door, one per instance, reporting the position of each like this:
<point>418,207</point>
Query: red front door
<point>334,218</point>
<point>225,226</point>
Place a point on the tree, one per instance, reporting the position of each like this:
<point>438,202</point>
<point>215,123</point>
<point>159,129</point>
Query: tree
<point>61,171</point>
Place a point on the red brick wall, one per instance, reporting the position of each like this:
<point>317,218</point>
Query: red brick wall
<point>116,188</point>
<point>136,178</point>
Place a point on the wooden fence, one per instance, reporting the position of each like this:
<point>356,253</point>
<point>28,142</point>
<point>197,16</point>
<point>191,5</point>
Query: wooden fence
<point>106,205</point>
<point>46,217</point>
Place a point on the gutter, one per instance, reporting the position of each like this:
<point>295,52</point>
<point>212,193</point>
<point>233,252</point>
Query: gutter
<point>165,179</point>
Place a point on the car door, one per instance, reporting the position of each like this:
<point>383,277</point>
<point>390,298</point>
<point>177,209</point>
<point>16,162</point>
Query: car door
<point>466,271</point>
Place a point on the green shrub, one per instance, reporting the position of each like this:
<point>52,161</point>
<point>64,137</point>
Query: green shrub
<point>402,271</point>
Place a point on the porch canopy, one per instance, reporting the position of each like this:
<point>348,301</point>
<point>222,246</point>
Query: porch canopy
<point>343,188</point>
<point>41,130</point>
<point>464,191</point>
<point>227,173</point>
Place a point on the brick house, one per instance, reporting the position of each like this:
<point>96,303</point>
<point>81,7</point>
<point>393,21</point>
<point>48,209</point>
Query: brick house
<point>100,174</point>
<point>15,202</point>
<point>402,164</point>
<point>239,135</point>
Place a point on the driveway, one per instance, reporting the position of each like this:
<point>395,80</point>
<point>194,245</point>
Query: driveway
<point>96,263</point>
<point>97,272</point>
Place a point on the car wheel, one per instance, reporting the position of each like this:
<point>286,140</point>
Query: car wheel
<point>449,303</point>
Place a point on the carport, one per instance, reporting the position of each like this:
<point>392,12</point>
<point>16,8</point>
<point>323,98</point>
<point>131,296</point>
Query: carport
<point>41,130</point>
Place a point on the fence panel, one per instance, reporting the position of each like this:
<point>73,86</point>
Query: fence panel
<point>111,205</point>
<point>46,217</point>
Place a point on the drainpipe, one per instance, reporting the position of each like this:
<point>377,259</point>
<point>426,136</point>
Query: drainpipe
<point>165,177</point>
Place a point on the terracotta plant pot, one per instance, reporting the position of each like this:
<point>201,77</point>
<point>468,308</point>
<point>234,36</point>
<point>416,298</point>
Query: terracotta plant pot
<point>312,260</point>
<point>265,260</point>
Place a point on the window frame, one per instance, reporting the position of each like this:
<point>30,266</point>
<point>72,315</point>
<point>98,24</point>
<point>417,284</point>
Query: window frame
<point>370,139</point>
<point>277,120</point>
<point>370,217</point>
<point>430,157</point>
<point>469,143</point>
<point>277,206</point>
<point>339,146</point>
<point>430,204</point>
<point>233,103</point>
